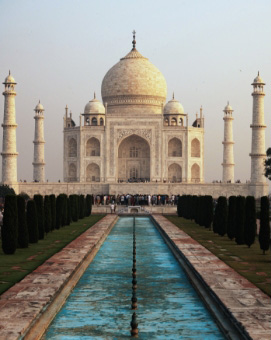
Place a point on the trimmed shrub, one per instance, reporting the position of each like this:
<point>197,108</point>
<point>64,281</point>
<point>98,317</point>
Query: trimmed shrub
<point>59,210</point>
<point>250,221</point>
<point>64,215</point>
<point>223,215</point>
<point>23,237</point>
<point>53,211</point>
<point>9,229</point>
<point>6,190</point>
<point>40,213</point>
<point>88,205</point>
<point>231,229</point>
<point>208,208</point>
<point>81,206</point>
<point>240,220</point>
<point>69,216</point>
<point>32,221</point>
<point>47,214</point>
<point>264,234</point>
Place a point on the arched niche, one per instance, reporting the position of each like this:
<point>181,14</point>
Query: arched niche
<point>195,148</point>
<point>72,172</point>
<point>93,173</point>
<point>195,173</point>
<point>93,147</point>
<point>174,173</point>
<point>175,147</point>
<point>134,159</point>
<point>72,148</point>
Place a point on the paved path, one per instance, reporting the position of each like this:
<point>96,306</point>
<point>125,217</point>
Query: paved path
<point>249,305</point>
<point>25,301</point>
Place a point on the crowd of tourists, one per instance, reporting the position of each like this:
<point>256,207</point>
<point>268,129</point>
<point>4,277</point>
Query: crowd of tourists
<point>132,200</point>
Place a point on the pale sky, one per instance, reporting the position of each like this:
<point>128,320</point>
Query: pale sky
<point>209,52</point>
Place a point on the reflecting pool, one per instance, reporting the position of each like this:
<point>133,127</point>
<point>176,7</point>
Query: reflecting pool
<point>99,307</point>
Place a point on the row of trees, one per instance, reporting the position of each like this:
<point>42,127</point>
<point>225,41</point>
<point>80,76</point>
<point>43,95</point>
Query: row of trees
<point>27,223</point>
<point>235,217</point>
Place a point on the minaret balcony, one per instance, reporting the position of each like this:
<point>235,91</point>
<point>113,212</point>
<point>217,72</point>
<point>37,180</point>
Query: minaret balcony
<point>258,126</point>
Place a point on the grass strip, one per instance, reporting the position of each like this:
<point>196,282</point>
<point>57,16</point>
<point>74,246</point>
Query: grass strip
<point>13,268</point>
<point>248,262</point>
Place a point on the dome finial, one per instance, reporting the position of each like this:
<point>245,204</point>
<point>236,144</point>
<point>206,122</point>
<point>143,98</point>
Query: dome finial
<point>134,41</point>
<point>258,73</point>
<point>94,95</point>
<point>173,95</point>
<point>9,72</point>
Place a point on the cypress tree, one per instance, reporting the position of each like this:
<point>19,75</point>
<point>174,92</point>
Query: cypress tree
<point>32,221</point>
<point>264,234</point>
<point>69,217</point>
<point>53,211</point>
<point>209,214</point>
<point>47,214</point>
<point>64,215</point>
<point>197,209</point>
<point>215,220</point>
<point>179,207</point>
<point>222,216</point>
<point>240,219</point>
<point>250,221</point>
<point>82,206</point>
<point>9,228</point>
<point>40,213</point>
<point>231,229</point>
<point>201,210</point>
<point>59,211</point>
<point>88,205</point>
<point>23,237</point>
<point>77,206</point>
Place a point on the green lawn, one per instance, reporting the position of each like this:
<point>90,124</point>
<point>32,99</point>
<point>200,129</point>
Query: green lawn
<point>249,262</point>
<point>14,268</point>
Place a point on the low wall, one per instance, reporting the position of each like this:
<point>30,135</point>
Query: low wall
<point>213,189</point>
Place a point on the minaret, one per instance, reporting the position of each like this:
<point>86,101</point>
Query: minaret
<point>258,152</point>
<point>228,159</point>
<point>9,153</point>
<point>38,163</point>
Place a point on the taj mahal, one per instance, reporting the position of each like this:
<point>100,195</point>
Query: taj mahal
<point>134,141</point>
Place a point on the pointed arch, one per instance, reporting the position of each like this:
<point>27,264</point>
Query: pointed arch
<point>72,148</point>
<point>174,173</point>
<point>93,147</point>
<point>175,147</point>
<point>134,159</point>
<point>72,172</point>
<point>195,173</point>
<point>94,121</point>
<point>93,173</point>
<point>195,148</point>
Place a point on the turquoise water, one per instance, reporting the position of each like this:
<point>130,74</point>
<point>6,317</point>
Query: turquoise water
<point>99,307</point>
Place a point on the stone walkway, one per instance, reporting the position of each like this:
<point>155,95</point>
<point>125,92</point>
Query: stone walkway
<point>248,304</point>
<point>23,303</point>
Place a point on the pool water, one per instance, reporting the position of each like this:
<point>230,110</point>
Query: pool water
<point>99,307</point>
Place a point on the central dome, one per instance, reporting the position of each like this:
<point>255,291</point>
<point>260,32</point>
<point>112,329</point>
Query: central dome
<point>134,84</point>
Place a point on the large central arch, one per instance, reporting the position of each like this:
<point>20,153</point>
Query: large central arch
<point>134,159</point>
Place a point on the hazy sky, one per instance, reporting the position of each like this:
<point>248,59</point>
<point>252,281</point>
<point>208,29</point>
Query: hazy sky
<point>208,50</point>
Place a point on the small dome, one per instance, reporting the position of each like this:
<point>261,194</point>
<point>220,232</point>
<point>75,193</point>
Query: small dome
<point>258,80</point>
<point>94,106</point>
<point>39,107</point>
<point>173,107</point>
<point>9,79</point>
<point>228,107</point>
